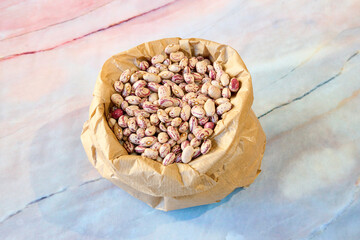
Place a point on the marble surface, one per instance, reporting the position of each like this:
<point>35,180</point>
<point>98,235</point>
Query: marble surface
<point>305,63</point>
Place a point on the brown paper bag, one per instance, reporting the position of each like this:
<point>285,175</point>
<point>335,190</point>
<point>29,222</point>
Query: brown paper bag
<point>238,140</point>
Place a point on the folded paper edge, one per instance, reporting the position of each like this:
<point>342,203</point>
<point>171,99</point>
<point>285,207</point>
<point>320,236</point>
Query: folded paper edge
<point>91,153</point>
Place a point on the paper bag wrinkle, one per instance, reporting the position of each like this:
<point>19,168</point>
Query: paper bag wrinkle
<point>238,139</point>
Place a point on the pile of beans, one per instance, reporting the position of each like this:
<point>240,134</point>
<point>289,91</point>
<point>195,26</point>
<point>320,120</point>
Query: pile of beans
<point>167,110</point>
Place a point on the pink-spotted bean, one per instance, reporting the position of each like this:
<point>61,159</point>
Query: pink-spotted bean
<point>147,141</point>
<point>169,159</point>
<point>150,153</point>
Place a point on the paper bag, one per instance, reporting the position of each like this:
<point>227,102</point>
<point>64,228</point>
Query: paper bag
<point>238,140</point>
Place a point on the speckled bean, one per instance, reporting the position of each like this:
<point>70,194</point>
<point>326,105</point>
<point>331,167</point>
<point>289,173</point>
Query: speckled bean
<point>212,74</point>
<point>140,120</point>
<point>175,112</point>
<point>166,74</point>
<point>201,67</point>
<point>217,66</point>
<point>195,142</point>
<point>157,59</point>
<point>167,62</point>
<point>205,87</point>
<point>176,56</point>
<point>234,85</point>
<point>162,127</point>
<point>178,158</point>
<point>117,99</point>
<point>214,92</point>
<point>189,78</point>
<point>166,102</point>
<point>177,78</point>
<point>214,118</point>
<point>184,144</point>
<point>209,107</point>
<point>153,97</point>
<point>197,153</point>
<point>191,136</point>
<point>195,101</point>
<point>169,159</point>
<point>150,107</point>
<point>147,141</point>
<point>198,111</point>
<point>161,67</point>
<point>172,48</point>
<point>139,84</point>
<point>127,90</point>
<point>203,121</point>
<point>187,154</point>
<point>140,132</point>
<point>175,68</point>
<point>143,65</point>
<point>183,137</point>
<point>118,131</point>
<point>112,122</point>
<point>198,77</point>
<point>184,126</point>
<point>163,92</point>
<point>150,131</point>
<point>133,100</point>
<point>173,133</point>
<point>163,137</point>
<point>139,149</point>
<point>129,147</point>
<point>191,87</point>
<point>135,139</point>
<point>188,96</point>
<point>164,149</point>
<point>185,113</point>
<point>192,62</point>
<point>153,70</point>
<point>142,92</point>
<point>176,149</point>
<point>162,115</point>
<point>209,125</point>
<point>193,122</point>
<point>217,84</point>
<point>184,62</point>
<point>153,86</point>
<point>118,86</point>
<point>220,101</point>
<point>150,77</point>
<point>202,97</point>
<point>125,76</point>
<point>176,122</point>
<point>226,93</point>
<point>225,79</point>
<point>177,91</point>
<point>150,153</point>
<point>130,110</point>
<point>186,70</point>
<point>135,77</point>
<point>223,108</point>
<point>126,132</point>
<point>124,105</point>
<point>156,146</point>
<point>154,119</point>
<point>132,125</point>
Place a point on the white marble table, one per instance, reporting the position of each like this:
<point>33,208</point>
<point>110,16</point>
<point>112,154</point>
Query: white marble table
<point>305,63</point>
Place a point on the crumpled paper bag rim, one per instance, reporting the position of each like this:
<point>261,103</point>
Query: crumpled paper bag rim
<point>170,176</point>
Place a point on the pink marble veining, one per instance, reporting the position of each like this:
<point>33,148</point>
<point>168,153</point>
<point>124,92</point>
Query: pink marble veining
<point>79,27</point>
<point>36,15</point>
